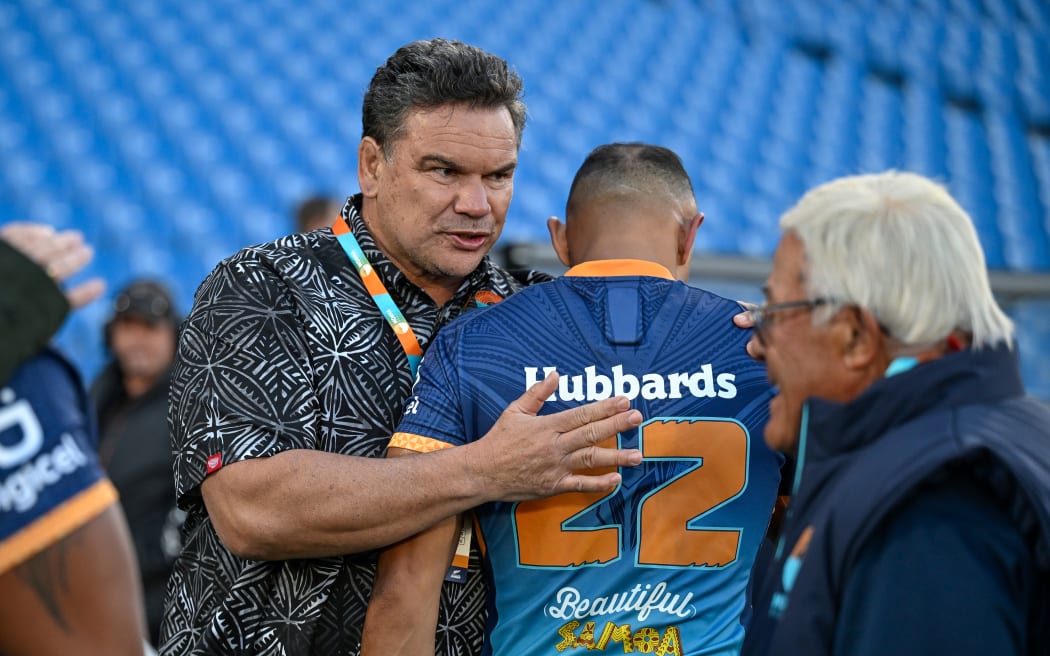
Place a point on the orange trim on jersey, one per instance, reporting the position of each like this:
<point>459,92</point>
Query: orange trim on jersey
<point>613,268</point>
<point>57,524</point>
<point>418,443</point>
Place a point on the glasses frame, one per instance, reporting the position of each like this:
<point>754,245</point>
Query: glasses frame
<point>760,316</point>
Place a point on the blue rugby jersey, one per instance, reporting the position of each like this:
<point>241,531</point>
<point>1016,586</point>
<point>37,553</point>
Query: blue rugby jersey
<point>660,565</point>
<point>50,481</point>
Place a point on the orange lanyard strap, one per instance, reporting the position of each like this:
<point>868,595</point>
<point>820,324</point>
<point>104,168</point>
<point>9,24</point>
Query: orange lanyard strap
<point>380,295</point>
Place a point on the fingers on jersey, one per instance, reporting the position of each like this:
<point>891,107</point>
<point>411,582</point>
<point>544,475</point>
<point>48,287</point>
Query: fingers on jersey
<point>532,400</point>
<point>559,446</point>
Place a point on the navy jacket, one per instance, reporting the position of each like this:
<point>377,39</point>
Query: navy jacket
<point>920,522</point>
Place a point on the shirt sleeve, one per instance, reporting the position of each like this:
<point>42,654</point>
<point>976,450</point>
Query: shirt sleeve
<point>433,417</point>
<point>50,481</point>
<point>949,574</point>
<point>241,386</point>
<point>32,307</point>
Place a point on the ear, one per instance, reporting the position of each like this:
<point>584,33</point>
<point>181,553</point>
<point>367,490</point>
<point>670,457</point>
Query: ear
<point>860,336</point>
<point>558,239</point>
<point>370,159</point>
<point>687,235</point>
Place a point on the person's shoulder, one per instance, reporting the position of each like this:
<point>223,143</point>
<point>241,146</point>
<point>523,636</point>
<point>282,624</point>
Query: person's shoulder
<point>712,302</point>
<point>530,277</point>
<point>520,298</point>
<point>493,312</point>
<point>267,253</point>
<point>48,388</point>
<point>48,369</point>
<point>499,289</point>
<point>276,266</point>
<point>711,315</point>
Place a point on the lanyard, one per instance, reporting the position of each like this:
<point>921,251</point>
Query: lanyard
<point>380,295</point>
<point>457,571</point>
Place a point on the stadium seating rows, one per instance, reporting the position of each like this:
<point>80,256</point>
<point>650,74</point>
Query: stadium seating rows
<point>175,133</point>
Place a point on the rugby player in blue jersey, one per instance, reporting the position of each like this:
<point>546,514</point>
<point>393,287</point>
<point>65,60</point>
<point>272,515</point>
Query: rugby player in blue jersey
<point>661,563</point>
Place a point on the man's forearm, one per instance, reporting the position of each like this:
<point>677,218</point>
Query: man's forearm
<point>403,611</point>
<point>310,504</point>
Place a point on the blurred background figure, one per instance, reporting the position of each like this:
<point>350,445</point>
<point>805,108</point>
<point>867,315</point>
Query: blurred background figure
<point>131,397</point>
<point>316,212</point>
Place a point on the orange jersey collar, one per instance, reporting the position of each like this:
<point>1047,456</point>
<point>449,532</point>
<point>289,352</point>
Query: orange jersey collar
<point>613,268</point>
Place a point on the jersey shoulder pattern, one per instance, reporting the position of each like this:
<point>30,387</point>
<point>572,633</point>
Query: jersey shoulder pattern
<point>661,563</point>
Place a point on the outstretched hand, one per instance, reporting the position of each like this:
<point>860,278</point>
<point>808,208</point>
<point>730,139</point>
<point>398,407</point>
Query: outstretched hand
<point>527,456</point>
<point>60,254</point>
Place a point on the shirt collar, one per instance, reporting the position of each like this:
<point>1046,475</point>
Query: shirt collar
<point>615,268</point>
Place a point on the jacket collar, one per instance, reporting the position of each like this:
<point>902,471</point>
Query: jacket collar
<point>986,375</point>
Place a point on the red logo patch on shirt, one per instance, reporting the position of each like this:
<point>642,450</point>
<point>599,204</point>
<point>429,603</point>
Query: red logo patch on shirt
<point>214,463</point>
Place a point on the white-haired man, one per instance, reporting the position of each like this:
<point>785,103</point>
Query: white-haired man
<point>920,522</point>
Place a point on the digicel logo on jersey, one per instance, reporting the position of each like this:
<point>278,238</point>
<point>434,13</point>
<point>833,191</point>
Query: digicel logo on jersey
<point>594,386</point>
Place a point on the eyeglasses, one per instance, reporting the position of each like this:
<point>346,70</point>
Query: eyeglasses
<point>761,317</point>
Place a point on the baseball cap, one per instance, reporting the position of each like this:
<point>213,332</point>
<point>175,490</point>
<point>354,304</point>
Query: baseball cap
<point>146,300</point>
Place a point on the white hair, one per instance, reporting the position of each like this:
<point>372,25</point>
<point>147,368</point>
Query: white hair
<point>900,246</point>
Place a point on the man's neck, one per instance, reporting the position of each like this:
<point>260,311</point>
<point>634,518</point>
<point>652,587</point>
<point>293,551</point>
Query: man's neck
<point>440,295</point>
<point>615,248</point>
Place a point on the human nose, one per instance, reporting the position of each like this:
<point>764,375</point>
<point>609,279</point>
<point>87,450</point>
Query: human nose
<point>472,199</point>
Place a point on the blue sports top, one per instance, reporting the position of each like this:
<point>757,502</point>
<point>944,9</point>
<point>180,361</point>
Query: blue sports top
<point>659,565</point>
<point>50,481</point>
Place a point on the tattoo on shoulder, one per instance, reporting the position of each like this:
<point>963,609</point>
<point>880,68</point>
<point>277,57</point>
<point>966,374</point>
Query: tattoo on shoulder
<point>47,574</point>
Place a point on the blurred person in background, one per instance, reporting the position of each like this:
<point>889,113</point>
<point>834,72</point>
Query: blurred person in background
<point>662,574</point>
<point>920,515</point>
<point>131,398</point>
<point>68,583</point>
<point>316,212</point>
<point>298,355</point>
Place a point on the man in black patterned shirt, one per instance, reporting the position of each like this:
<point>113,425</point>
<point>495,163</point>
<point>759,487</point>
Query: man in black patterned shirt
<point>298,355</point>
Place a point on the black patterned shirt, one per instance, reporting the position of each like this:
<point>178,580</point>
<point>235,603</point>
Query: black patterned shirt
<point>285,349</point>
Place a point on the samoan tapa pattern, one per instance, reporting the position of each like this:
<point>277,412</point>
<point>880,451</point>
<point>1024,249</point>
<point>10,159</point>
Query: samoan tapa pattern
<point>285,349</point>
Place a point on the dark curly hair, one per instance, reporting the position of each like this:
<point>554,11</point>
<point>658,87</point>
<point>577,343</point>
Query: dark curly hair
<point>435,72</point>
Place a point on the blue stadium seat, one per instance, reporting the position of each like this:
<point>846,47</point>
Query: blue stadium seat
<point>1032,321</point>
<point>180,132</point>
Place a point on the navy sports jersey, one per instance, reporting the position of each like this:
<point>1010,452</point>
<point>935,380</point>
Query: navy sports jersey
<point>50,481</point>
<point>660,565</point>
